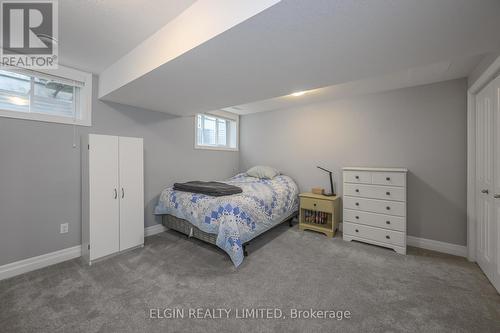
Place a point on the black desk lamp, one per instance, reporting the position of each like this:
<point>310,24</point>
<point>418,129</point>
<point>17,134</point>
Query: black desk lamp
<point>332,192</point>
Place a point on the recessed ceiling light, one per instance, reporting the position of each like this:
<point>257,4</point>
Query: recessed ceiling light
<point>298,93</point>
<point>18,100</point>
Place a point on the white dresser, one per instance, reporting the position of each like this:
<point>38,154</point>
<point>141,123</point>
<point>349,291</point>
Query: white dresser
<point>375,206</point>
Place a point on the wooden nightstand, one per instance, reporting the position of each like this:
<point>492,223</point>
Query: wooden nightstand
<point>319,213</point>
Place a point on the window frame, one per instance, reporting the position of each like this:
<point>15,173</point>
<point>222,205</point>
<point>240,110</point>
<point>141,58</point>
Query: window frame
<point>64,74</point>
<point>218,115</point>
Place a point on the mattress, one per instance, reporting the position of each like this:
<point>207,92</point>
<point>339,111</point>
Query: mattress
<point>238,218</point>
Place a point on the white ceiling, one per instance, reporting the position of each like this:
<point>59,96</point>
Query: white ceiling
<point>441,71</point>
<point>198,24</point>
<point>302,45</point>
<point>93,34</point>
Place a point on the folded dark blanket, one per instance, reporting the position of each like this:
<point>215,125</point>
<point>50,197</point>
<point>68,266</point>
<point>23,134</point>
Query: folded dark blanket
<point>215,189</point>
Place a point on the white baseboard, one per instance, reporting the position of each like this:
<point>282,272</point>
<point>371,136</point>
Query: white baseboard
<point>48,259</point>
<point>153,230</point>
<point>52,258</point>
<point>44,260</point>
<point>429,244</point>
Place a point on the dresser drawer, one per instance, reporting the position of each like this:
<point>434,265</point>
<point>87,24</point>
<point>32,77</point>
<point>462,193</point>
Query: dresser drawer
<point>362,177</point>
<point>316,204</point>
<point>389,178</point>
<point>375,206</point>
<point>377,234</point>
<point>375,220</point>
<point>375,192</point>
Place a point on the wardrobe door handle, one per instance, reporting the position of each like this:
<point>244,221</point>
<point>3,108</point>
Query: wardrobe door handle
<point>116,193</point>
<point>123,193</point>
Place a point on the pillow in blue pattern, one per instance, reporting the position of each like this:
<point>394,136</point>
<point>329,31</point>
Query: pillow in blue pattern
<point>261,171</point>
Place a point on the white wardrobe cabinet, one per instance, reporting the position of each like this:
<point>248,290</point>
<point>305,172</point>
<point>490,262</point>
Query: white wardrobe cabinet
<point>112,195</point>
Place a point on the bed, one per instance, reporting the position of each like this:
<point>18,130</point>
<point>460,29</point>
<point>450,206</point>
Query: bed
<point>230,222</point>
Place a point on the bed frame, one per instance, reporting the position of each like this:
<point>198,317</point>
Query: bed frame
<point>186,228</point>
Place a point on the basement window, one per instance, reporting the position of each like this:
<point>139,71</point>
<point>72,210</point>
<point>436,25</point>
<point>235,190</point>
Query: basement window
<point>216,132</point>
<point>63,95</point>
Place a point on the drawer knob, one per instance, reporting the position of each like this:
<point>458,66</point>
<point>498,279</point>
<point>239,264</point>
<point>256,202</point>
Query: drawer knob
<point>357,203</point>
<point>357,177</point>
<point>357,217</point>
<point>387,193</point>
<point>357,230</point>
<point>388,178</point>
<point>314,205</point>
<point>357,191</point>
<point>388,237</point>
<point>388,208</point>
<point>387,222</point>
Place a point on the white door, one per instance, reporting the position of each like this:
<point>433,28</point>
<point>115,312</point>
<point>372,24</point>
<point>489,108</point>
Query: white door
<point>487,231</point>
<point>131,193</point>
<point>104,198</point>
<point>496,183</point>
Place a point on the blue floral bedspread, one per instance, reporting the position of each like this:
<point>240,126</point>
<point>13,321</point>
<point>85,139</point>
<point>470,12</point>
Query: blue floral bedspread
<point>238,218</point>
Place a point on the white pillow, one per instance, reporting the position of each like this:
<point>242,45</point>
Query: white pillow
<point>261,171</point>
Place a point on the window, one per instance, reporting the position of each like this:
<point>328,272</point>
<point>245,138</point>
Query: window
<point>217,132</point>
<point>61,96</point>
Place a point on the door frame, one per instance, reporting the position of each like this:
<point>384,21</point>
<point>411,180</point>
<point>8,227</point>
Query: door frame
<point>489,74</point>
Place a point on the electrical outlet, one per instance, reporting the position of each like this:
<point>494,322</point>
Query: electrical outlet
<point>64,228</point>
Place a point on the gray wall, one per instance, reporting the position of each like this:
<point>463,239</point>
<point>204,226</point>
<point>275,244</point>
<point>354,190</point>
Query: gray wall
<point>421,128</point>
<point>40,172</point>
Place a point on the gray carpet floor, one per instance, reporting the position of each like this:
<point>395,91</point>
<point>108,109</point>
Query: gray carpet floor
<point>287,269</point>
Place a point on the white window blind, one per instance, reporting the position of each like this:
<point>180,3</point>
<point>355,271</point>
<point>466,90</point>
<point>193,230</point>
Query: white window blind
<point>40,96</point>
